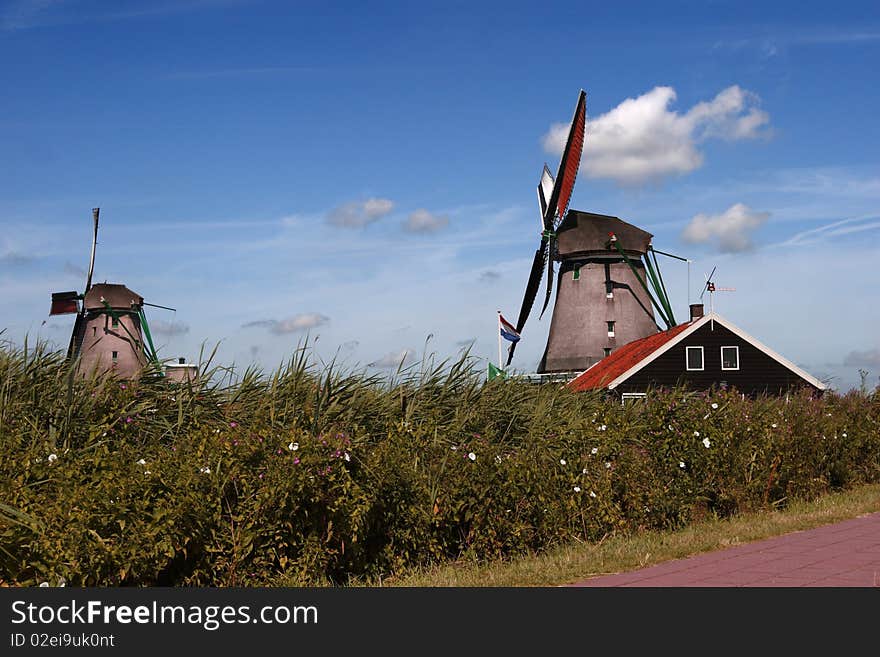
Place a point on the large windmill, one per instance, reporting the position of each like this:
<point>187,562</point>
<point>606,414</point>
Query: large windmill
<point>110,327</point>
<point>608,287</point>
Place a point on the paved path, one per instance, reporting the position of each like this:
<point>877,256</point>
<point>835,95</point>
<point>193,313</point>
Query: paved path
<point>845,554</point>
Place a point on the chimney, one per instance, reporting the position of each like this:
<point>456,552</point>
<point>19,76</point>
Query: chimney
<point>696,311</point>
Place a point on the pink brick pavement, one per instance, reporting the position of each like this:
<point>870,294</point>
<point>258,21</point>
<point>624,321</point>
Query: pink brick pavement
<point>846,554</point>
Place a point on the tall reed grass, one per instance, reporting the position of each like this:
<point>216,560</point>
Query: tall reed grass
<point>313,473</point>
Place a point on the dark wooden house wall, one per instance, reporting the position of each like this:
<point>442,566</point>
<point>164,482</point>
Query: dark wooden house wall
<point>758,373</point>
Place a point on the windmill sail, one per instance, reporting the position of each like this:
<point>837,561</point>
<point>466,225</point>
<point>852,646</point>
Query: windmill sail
<point>553,198</point>
<point>545,191</point>
<point>571,160</point>
<point>95,213</point>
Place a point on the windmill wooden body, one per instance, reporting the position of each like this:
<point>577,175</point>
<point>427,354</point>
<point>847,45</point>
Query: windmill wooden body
<point>110,333</point>
<point>609,289</point>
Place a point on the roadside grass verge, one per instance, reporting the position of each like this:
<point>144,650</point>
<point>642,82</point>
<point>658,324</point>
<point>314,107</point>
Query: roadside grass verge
<point>575,562</point>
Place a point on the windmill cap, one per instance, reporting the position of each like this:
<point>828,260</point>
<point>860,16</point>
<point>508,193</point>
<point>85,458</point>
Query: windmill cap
<point>582,232</point>
<point>115,294</point>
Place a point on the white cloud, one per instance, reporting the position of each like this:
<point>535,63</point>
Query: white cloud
<point>642,140</point>
<point>393,360</point>
<point>294,324</point>
<point>422,221</point>
<point>731,230</point>
<point>357,214</point>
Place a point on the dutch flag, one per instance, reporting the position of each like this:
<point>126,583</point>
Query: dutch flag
<point>508,332</point>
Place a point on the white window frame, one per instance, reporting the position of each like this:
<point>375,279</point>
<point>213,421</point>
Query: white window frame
<point>731,346</point>
<point>631,396</point>
<point>687,360</point>
<point>610,323</point>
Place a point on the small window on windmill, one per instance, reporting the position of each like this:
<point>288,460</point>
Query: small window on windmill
<point>94,331</point>
<point>115,322</point>
<point>576,273</point>
<point>607,351</point>
<point>610,329</point>
<point>609,290</point>
<point>114,355</point>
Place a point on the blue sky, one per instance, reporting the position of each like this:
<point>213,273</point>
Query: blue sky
<point>367,173</point>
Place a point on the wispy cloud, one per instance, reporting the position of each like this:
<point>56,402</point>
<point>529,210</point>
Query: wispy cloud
<point>489,276</point>
<point>295,324</point>
<point>16,259</point>
<point>168,329</point>
<point>731,230</point>
<point>643,140</point>
<point>771,45</point>
<point>834,229</point>
<point>422,221</point>
<point>867,358</point>
<point>240,72</point>
<point>357,214</point>
<point>393,359</point>
<point>28,14</point>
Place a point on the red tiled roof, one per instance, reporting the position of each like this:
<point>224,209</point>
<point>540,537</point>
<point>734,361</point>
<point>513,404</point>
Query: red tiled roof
<point>611,367</point>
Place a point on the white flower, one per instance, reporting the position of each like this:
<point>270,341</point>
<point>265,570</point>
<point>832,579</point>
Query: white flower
<point>454,448</point>
<point>562,462</point>
<point>52,457</point>
<point>706,443</point>
<point>697,434</point>
<point>681,464</point>
<point>141,462</point>
<point>44,585</point>
<point>584,471</point>
<point>346,456</point>
<point>714,406</point>
<point>216,430</point>
<point>497,459</point>
<point>146,472</point>
<point>773,425</point>
<point>608,464</point>
<point>595,450</point>
<point>843,434</point>
<point>602,428</point>
<point>577,489</point>
<point>472,456</point>
<point>592,494</point>
<point>293,447</point>
<point>205,470</point>
<point>62,582</point>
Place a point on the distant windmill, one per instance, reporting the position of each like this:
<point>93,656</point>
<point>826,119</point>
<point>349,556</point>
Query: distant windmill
<point>608,286</point>
<point>110,326</point>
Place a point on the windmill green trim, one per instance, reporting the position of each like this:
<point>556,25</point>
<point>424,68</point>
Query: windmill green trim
<point>635,272</point>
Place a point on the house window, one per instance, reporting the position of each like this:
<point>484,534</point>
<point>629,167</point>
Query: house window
<point>607,351</point>
<point>115,356</point>
<point>94,331</point>
<point>631,397</point>
<point>115,322</point>
<point>694,358</point>
<point>610,329</point>
<point>576,274</point>
<point>729,358</point>
<point>609,290</point>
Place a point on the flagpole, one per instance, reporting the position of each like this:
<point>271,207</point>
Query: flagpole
<point>500,366</point>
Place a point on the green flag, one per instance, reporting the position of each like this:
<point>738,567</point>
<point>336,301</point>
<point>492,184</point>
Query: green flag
<point>495,372</point>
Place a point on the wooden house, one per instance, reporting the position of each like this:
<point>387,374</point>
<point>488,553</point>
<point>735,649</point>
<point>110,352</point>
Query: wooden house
<point>704,352</point>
